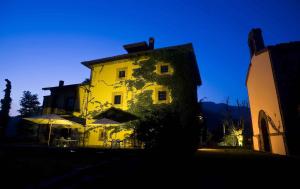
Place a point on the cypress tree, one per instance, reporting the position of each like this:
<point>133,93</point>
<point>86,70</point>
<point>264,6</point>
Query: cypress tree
<point>5,107</point>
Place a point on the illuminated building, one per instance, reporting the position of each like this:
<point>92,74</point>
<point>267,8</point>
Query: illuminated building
<point>273,82</point>
<point>145,76</point>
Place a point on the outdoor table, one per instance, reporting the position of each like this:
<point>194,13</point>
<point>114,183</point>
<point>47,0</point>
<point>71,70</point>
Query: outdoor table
<point>61,142</point>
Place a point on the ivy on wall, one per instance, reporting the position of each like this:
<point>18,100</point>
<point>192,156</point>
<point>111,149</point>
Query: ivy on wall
<point>154,125</point>
<point>181,83</point>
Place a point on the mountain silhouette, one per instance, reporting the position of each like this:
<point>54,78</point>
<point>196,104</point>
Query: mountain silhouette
<point>215,113</point>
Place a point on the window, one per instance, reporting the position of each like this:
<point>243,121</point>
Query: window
<point>102,135</point>
<point>117,99</point>
<point>122,74</point>
<point>162,95</point>
<point>164,69</point>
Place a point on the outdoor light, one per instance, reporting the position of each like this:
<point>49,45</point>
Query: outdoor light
<point>200,117</point>
<point>210,150</point>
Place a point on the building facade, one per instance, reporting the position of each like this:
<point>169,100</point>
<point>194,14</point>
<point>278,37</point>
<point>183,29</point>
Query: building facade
<point>143,78</point>
<point>273,89</point>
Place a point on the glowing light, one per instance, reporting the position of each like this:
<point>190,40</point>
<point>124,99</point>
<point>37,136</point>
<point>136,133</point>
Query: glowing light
<point>210,150</point>
<point>200,117</point>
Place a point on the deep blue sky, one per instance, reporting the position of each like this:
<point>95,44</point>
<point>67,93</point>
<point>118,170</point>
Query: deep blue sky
<point>42,42</point>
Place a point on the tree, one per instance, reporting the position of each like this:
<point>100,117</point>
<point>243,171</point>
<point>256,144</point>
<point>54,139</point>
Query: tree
<point>5,107</point>
<point>160,128</point>
<point>233,128</point>
<point>29,104</point>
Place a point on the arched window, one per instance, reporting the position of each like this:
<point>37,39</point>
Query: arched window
<point>264,132</point>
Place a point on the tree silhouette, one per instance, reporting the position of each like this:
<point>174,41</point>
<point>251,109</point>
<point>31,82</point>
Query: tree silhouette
<point>5,107</point>
<point>233,129</point>
<point>29,104</point>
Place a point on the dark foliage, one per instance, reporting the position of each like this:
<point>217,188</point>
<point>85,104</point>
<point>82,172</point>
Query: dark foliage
<point>5,107</point>
<point>161,129</point>
<point>29,104</point>
<point>166,126</point>
<point>214,114</point>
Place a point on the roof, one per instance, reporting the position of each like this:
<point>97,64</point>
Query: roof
<point>124,56</point>
<point>130,55</point>
<point>285,46</point>
<point>64,86</point>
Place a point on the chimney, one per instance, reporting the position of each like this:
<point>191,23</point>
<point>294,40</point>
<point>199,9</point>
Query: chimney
<point>151,43</point>
<point>255,41</point>
<point>61,83</point>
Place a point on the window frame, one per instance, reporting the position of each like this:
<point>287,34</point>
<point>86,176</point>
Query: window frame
<point>102,136</point>
<point>161,69</point>
<point>159,95</point>
<point>121,98</point>
<point>117,99</point>
<point>162,64</point>
<point>155,95</point>
<point>118,73</point>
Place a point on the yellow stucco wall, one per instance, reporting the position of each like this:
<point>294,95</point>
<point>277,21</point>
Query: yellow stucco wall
<point>262,96</point>
<point>105,83</point>
<point>255,142</point>
<point>81,100</point>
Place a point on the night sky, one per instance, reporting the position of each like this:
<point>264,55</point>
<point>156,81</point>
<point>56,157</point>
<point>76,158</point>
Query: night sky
<point>42,42</point>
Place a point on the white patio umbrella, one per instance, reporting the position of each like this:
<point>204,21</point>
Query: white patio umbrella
<point>50,119</point>
<point>105,122</point>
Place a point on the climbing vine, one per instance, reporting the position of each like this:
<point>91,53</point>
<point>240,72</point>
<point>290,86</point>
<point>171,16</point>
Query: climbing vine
<point>182,86</point>
<point>181,83</point>
<point>158,122</point>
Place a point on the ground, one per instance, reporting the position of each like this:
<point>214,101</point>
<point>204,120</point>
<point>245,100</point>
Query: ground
<point>42,167</point>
